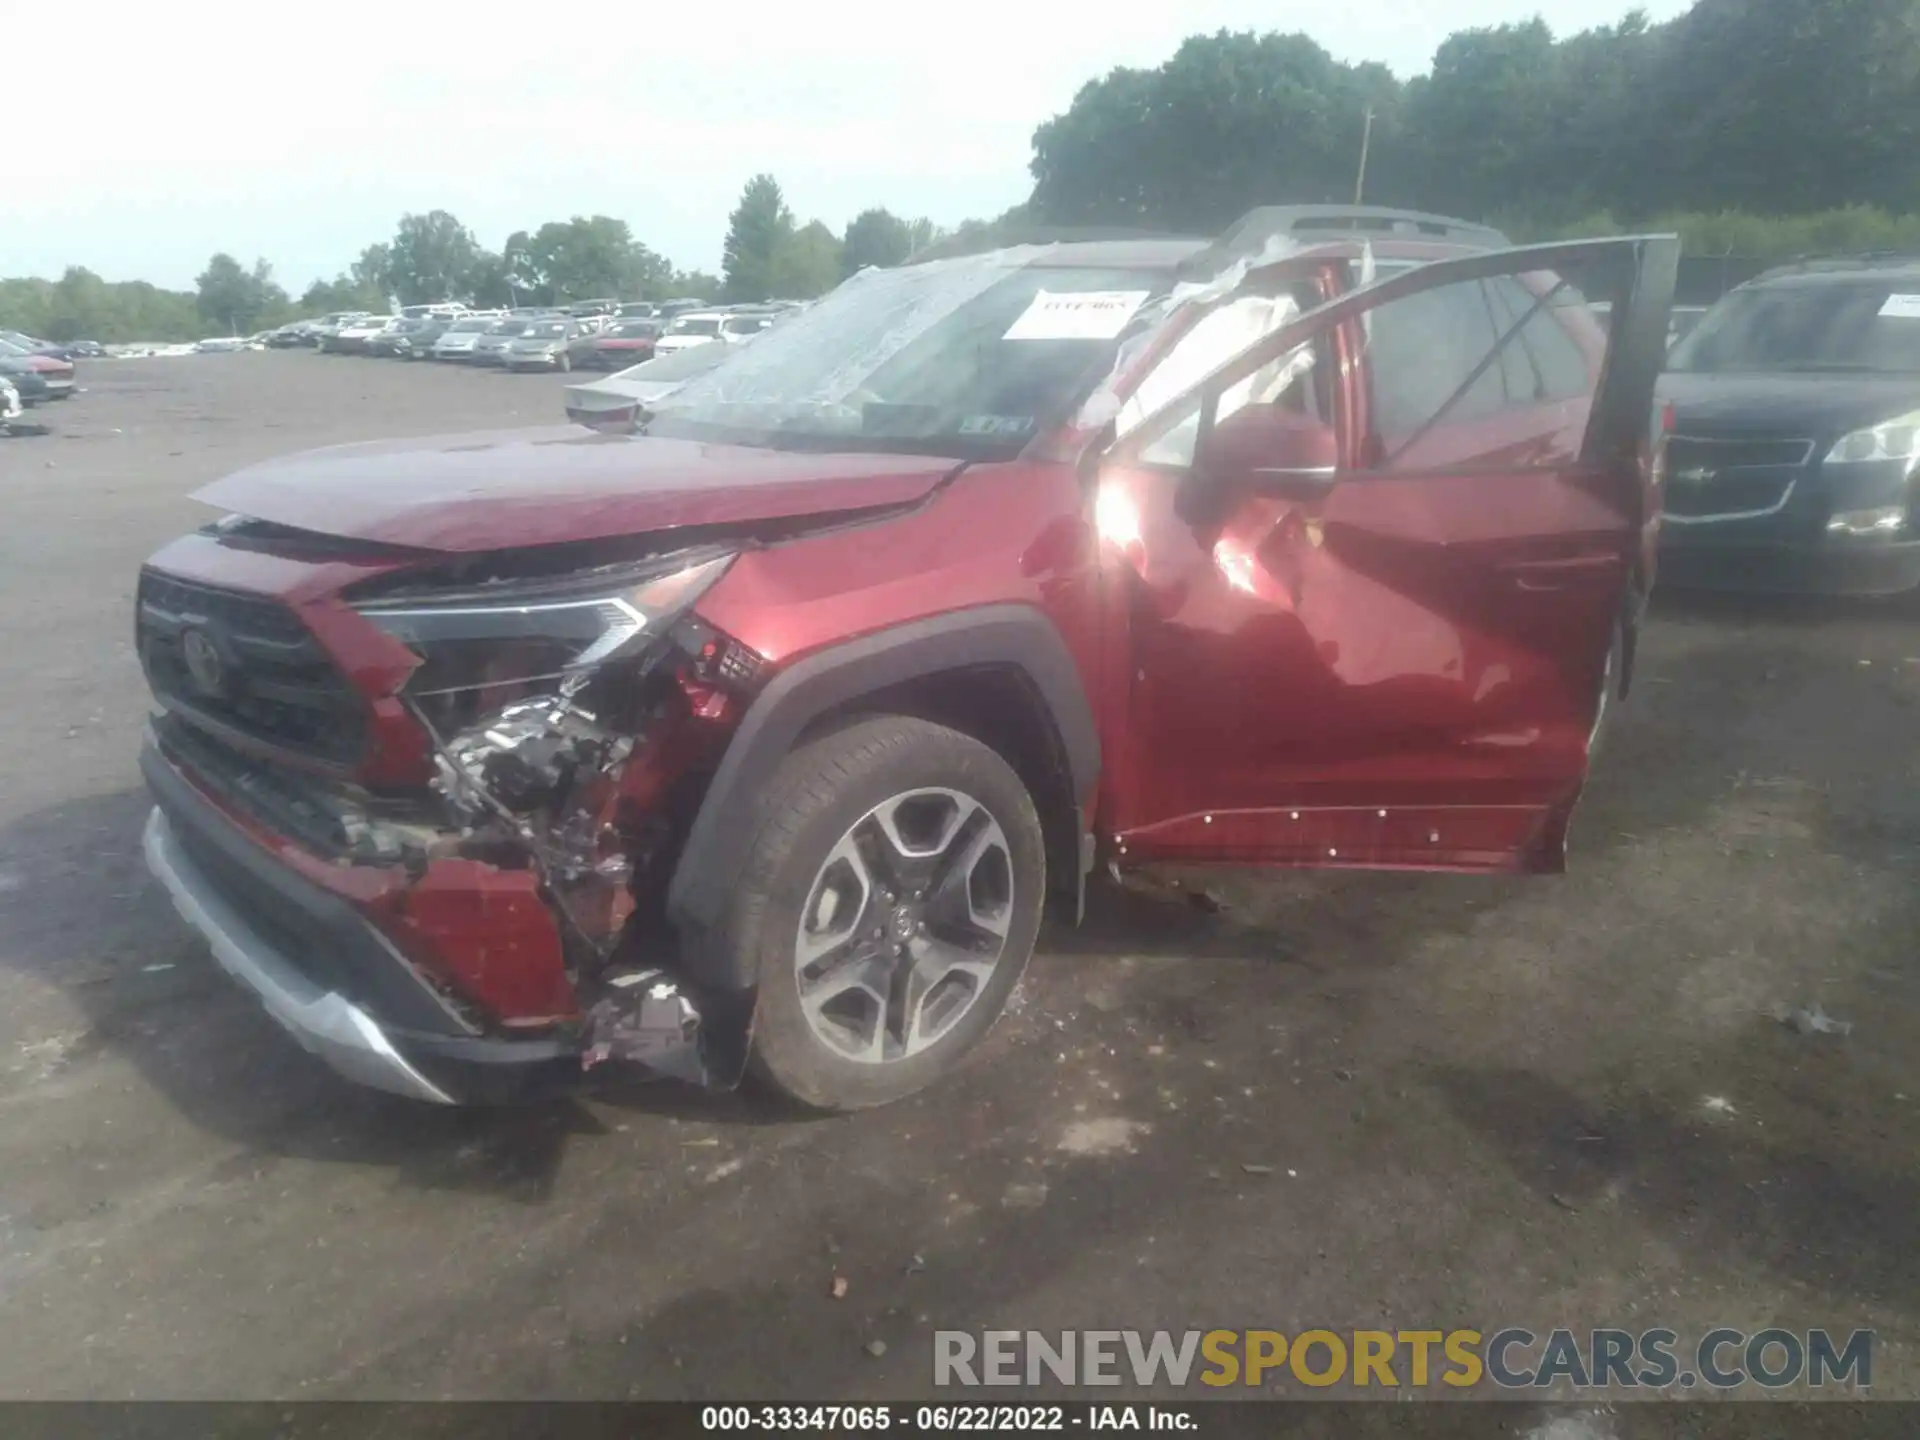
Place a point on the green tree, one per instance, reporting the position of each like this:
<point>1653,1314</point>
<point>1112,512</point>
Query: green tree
<point>875,237</point>
<point>373,273</point>
<point>342,292</point>
<point>1231,121</point>
<point>432,257</point>
<point>693,285</point>
<point>755,231</point>
<point>586,258</point>
<point>806,263</point>
<point>922,233</point>
<point>233,299</point>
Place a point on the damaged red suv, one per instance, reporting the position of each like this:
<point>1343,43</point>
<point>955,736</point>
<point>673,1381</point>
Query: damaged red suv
<point>762,736</point>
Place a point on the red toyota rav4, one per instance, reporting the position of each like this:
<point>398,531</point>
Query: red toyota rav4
<point>762,735</point>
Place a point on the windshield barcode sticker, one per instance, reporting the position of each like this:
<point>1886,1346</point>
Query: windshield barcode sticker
<point>996,425</point>
<point>1902,307</point>
<point>1082,315</point>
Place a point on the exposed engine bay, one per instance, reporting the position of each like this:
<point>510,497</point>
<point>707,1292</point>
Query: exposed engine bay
<point>589,785</point>
<point>573,726</point>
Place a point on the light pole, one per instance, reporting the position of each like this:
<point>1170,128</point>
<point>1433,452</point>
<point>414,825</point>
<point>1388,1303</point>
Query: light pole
<point>1366,138</point>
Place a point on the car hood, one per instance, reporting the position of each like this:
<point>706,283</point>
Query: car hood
<point>503,489</point>
<point>1812,406</point>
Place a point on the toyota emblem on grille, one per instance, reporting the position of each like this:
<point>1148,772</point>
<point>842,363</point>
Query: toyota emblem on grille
<point>204,664</point>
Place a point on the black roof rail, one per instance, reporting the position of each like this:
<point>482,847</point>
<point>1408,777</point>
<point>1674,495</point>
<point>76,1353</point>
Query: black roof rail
<point>1362,219</point>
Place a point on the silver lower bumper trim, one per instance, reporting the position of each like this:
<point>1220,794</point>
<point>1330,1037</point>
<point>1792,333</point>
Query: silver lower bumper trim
<point>329,1026</point>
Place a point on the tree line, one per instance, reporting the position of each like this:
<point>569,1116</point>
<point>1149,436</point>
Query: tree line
<point>1766,108</point>
<point>433,257</point>
<point>1763,128</point>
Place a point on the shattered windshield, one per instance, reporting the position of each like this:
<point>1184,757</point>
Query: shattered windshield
<point>969,357</point>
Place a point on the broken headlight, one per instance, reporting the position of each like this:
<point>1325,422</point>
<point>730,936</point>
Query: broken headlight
<point>481,651</point>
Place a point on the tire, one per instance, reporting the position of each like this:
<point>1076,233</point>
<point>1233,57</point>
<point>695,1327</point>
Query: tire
<point>822,826</point>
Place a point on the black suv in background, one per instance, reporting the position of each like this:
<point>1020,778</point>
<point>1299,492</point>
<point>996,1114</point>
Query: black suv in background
<point>1796,430</point>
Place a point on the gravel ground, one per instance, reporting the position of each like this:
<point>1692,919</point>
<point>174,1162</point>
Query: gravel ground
<point>1464,1101</point>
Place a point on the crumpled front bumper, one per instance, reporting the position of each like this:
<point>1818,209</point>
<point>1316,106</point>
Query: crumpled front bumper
<point>324,971</point>
<point>327,1025</point>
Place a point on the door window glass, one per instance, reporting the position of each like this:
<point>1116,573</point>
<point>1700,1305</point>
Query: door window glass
<point>1478,374</point>
<point>1215,339</point>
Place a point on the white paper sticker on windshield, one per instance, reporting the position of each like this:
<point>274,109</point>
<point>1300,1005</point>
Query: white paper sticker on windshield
<point>1082,315</point>
<point>1902,307</point>
<point>996,425</point>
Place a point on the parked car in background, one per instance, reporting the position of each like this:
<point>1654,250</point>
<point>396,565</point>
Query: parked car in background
<point>456,342</point>
<point>1685,319</point>
<point>318,332</point>
<point>545,344</point>
<point>619,401</point>
<point>623,343</point>
<point>29,384</point>
<point>1679,324</point>
<point>875,652</point>
<point>33,345</point>
<point>1795,446</point>
<point>685,331</point>
<point>702,327</point>
<point>638,310</point>
<point>580,309</point>
<point>390,341</point>
<point>442,310</point>
<point>410,339</point>
<point>56,374</point>
<point>491,347</point>
<point>87,350</point>
<point>355,336</point>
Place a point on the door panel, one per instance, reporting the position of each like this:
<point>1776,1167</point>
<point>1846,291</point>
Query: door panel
<point>1398,664</point>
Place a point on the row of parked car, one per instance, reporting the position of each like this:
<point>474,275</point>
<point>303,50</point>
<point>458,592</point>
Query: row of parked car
<point>601,334</point>
<point>33,371</point>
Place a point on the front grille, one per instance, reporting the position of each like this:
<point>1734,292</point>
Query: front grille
<point>272,681</point>
<point>1684,451</point>
<point>1711,479</point>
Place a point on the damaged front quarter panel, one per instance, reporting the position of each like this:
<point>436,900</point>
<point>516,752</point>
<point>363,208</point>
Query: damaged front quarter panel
<point>573,726</point>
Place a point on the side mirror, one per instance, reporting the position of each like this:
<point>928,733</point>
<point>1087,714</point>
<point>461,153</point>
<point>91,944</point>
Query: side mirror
<point>1264,445</point>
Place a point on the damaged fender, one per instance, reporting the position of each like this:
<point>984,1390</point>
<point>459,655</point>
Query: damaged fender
<point>832,679</point>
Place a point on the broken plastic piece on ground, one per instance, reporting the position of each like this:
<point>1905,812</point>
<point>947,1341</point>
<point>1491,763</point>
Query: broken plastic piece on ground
<point>646,1018</point>
<point>1810,1021</point>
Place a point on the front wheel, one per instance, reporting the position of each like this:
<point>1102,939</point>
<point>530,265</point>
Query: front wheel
<point>891,899</point>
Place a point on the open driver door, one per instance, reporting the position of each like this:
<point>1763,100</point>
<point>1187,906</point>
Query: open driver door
<point>1374,575</point>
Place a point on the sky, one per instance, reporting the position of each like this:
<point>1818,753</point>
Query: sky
<point>300,132</point>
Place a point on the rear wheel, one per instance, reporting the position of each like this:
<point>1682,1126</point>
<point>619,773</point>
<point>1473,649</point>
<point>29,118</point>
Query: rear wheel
<point>891,899</point>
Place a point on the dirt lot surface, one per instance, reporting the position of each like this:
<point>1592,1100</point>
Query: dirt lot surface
<point>1323,1100</point>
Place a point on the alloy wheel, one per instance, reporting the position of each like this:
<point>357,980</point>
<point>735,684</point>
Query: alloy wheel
<point>904,924</point>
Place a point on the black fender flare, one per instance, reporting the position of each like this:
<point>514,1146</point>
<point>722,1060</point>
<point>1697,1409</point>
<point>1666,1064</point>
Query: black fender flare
<point>716,843</point>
